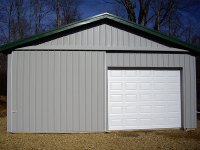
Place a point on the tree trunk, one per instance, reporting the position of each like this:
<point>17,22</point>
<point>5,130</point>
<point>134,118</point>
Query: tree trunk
<point>58,13</point>
<point>130,10</point>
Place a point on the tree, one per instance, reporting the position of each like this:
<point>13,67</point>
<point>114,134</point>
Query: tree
<point>58,9</point>
<point>130,6</point>
<point>66,11</point>
<point>144,11</point>
<point>39,10</point>
<point>6,17</point>
<point>162,10</point>
<point>70,11</point>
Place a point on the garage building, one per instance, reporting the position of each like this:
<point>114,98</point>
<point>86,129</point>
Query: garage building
<point>100,74</point>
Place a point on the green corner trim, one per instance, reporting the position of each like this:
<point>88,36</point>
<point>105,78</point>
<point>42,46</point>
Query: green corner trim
<point>16,44</point>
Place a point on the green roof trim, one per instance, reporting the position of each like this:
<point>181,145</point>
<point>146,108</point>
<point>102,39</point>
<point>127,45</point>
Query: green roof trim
<point>19,43</point>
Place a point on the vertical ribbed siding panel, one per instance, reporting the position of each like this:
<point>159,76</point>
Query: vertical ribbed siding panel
<point>38,100</point>
<point>185,61</point>
<point>109,60</point>
<point>187,90</point>
<point>143,60</point>
<point>149,60</point>
<point>14,91</point>
<point>44,91</point>
<point>78,39</point>
<point>101,37</point>
<point>100,91</point>
<point>84,38</point>
<point>102,40</point>
<point>118,60</point>
<point>126,59</point>
<point>183,94</point>
<point>114,60</point>
<point>171,62</point>
<point>32,91</point>
<point>96,36</point>
<point>120,38</point>
<point>82,91</point>
<point>113,36</point>
<point>9,94</point>
<point>94,78</point>
<point>72,39</point>
<point>160,59</point>
<point>75,88</point>
<point>132,59</point>
<point>69,91</point>
<point>20,93</point>
<point>51,91</point>
<point>90,37</point>
<point>58,91</point>
<point>193,92</point>
<point>63,94</point>
<point>137,60</point>
<point>108,36</point>
<point>26,91</point>
<point>176,59</point>
<point>126,39</point>
<point>155,60</point>
<point>88,92</point>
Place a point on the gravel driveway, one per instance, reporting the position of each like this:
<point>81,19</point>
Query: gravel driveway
<point>149,140</point>
<point>168,139</point>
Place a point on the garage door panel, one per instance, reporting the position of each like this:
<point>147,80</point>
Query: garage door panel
<point>159,86</point>
<point>145,97</point>
<point>173,122</point>
<point>145,86</point>
<point>172,86</point>
<point>159,108</point>
<point>173,108</point>
<point>116,86</point>
<point>115,73</point>
<point>130,85</point>
<point>116,97</point>
<point>116,123</point>
<point>116,110</point>
<point>145,73</point>
<point>131,97</point>
<point>142,99</point>
<point>131,73</point>
<point>145,109</point>
<point>131,109</point>
<point>145,122</point>
<point>131,122</point>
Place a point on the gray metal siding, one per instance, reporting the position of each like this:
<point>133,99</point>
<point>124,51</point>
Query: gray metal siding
<point>185,61</point>
<point>64,91</point>
<point>102,37</point>
<point>56,91</point>
<point>9,104</point>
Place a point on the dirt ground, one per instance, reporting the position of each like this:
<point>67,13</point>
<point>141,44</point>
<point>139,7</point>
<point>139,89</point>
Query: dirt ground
<point>142,140</point>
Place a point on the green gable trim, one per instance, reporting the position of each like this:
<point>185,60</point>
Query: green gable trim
<point>19,43</point>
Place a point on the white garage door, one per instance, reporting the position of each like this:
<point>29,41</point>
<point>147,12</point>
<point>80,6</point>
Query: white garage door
<point>143,99</point>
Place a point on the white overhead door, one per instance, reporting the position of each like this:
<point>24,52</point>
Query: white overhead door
<point>144,99</point>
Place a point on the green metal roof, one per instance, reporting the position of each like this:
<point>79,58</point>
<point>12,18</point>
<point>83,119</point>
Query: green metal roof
<point>20,43</point>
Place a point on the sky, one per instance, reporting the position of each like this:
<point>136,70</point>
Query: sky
<point>89,8</point>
